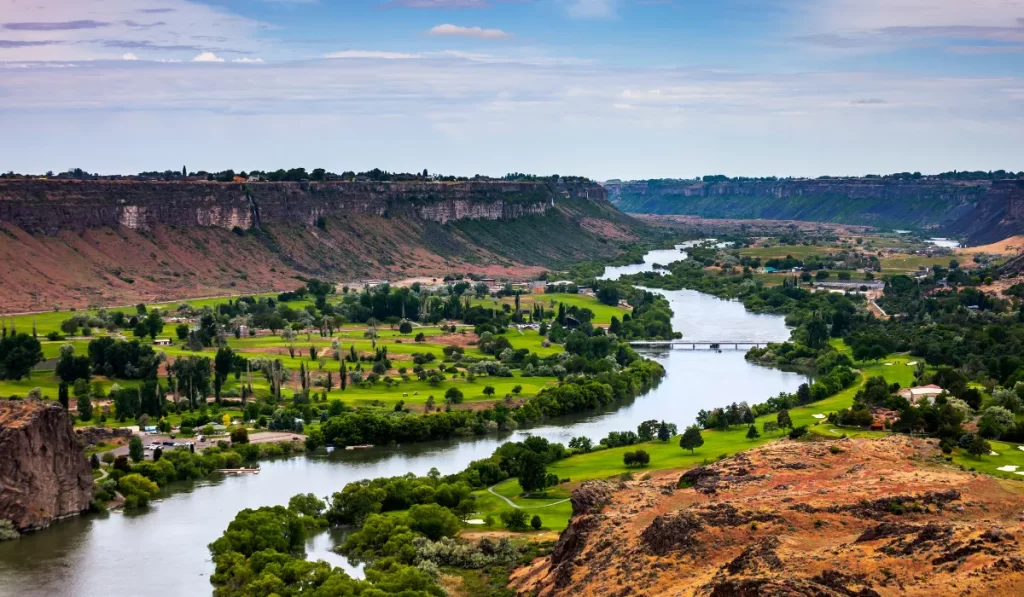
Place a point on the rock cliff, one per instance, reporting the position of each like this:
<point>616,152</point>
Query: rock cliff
<point>979,212</point>
<point>862,517</point>
<point>44,476</point>
<point>100,243</point>
<point>50,206</point>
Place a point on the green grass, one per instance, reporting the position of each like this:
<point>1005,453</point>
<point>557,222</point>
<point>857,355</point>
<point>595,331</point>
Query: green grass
<point>554,512</point>
<point>602,313</point>
<point>911,263</point>
<point>1008,455</point>
<point>780,251</point>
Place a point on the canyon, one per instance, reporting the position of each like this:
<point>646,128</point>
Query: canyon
<point>71,243</point>
<point>976,211</point>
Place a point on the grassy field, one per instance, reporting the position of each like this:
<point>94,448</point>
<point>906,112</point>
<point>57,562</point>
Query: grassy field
<point>780,251</point>
<point>602,313</point>
<point>901,264</point>
<point>400,347</point>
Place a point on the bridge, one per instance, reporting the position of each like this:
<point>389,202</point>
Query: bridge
<point>700,344</point>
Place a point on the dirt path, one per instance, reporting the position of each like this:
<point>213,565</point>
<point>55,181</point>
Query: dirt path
<point>518,507</point>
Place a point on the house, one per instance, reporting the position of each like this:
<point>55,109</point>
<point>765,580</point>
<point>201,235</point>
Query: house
<point>919,393</point>
<point>162,342</point>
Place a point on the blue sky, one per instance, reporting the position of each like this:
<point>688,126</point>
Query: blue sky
<point>603,88</point>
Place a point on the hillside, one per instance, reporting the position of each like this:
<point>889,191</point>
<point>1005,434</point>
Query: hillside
<point>979,211</point>
<point>76,244</point>
<point>857,517</point>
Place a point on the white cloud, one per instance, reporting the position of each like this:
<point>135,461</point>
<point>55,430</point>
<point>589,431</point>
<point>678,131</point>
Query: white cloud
<point>478,32</point>
<point>248,60</point>
<point>372,55</point>
<point>62,30</point>
<point>207,57</point>
<point>862,15</point>
<point>591,9</point>
<point>129,56</point>
<point>487,113</point>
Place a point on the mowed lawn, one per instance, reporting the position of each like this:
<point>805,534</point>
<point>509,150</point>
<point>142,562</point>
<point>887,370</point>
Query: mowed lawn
<point>602,313</point>
<point>781,251</point>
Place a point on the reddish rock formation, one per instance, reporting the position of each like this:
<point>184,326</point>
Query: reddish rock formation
<point>851,518</point>
<point>44,476</point>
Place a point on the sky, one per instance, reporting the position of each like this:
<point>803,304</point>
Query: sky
<point>601,88</point>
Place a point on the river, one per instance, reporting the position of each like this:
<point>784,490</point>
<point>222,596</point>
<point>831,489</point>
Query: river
<point>163,550</point>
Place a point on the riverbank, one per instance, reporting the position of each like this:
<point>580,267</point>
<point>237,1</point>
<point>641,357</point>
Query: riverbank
<point>84,557</point>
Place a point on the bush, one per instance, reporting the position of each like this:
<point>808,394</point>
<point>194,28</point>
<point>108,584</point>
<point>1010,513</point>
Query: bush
<point>638,458</point>
<point>514,520</point>
<point>239,435</point>
<point>536,523</point>
<point>798,432</point>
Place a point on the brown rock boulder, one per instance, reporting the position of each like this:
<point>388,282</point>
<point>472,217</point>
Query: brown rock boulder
<point>44,476</point>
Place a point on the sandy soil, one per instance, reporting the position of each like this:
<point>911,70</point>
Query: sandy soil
<point>1010,246</point>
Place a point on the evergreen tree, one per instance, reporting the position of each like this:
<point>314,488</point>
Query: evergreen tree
<point>62,395</point>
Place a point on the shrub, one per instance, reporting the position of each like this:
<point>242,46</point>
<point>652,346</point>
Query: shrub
<point>536,523</point>
<point>239,435</point>
<point>514,520</point>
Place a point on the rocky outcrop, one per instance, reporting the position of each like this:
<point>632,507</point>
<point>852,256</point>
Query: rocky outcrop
<point>50,206</point>
<point>44,476</point>
<point>878,517</point>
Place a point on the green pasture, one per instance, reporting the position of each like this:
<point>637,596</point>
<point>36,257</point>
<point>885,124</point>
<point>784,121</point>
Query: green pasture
<point>602,313</point>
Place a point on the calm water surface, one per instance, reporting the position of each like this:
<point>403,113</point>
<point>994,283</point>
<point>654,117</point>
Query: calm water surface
<point>163,551</point>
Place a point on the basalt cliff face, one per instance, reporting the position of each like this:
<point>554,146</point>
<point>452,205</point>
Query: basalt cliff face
<point>44,476</point>
<point>98,243</point>
<point>48,207</point>
<point>979,212</point>
<point>846,518</point>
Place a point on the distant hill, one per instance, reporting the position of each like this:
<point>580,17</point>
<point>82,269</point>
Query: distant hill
<point>80,243</point>
<point>979,211</point>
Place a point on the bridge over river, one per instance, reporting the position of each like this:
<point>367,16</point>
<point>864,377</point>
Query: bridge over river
<point>700,344</point>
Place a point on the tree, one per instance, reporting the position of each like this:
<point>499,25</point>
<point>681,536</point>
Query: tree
<point>995,421</point>
<point>94,461</point>
<point>637,458</point>
<point>752,432</point>
<point>405,327</point>
<point>784,420</point>
<point>84,406</point>
<point>581,444</point>
<point>691,439</point>
<point>532,472</point>
<point>514,520</point>
<point>453,395</point>
<point>62,395</point>
<point>978,447</point>
<point>488,391</point>
<point>19,353</point>
<point>517,389</point>
<point>135,450</point>
<point>664,432</point>
<point>434,521</point>
<point>239,435</point>
<point>536,523</point>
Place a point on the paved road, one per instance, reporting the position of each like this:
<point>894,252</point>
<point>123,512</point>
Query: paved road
<point>514,505</point>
